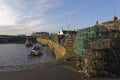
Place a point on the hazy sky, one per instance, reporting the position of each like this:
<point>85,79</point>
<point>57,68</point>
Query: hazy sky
<point>27,16</point>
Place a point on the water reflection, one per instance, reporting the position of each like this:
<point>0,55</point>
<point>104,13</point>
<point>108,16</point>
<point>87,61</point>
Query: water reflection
<point>17,54</point>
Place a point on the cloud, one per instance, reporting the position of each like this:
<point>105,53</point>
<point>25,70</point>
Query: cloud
<point>25,16</point>
<point>6,16</point>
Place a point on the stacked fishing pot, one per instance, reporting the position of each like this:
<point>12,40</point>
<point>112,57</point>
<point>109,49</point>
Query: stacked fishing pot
<point>98,49</point>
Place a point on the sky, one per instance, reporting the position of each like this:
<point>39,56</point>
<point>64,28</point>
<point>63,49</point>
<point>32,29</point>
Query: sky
<point>28,16</point>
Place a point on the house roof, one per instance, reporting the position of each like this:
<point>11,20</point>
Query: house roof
<point>114,21</point>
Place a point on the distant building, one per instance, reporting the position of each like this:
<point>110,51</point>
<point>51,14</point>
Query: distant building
<point>21,35</point>
<point>67,32</point>
<point>36,34</point>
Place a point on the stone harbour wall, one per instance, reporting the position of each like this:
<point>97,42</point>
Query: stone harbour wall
<point>59,50</point>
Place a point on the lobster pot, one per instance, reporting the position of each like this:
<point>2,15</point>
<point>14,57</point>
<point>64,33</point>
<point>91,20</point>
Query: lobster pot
<point>113,34</point>
<point>79,47</point>
<point>98,49</point>
<point>100,63</point>
<point>97,32</point>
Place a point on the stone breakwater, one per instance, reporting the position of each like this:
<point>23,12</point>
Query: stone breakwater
<point>58,49</point>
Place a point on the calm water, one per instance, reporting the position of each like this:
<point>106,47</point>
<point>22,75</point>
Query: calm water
<point>15,57</point>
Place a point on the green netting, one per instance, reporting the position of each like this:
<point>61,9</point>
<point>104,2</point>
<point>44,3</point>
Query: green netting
<point>84,30</point>
<point>87,34</point>
<point>91,35</point>
<point>80,52</point>
<point>92,29</point>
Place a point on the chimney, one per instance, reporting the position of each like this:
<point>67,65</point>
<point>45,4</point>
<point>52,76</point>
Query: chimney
<point>97,22</point>
<point>115,18</point>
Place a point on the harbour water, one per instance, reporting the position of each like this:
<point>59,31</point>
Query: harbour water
<point>15,57</point>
